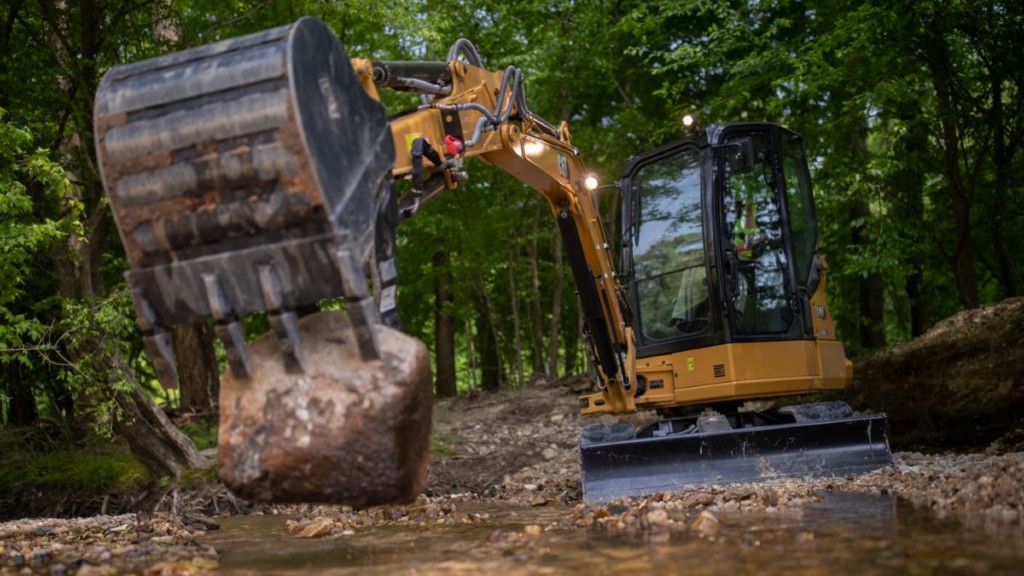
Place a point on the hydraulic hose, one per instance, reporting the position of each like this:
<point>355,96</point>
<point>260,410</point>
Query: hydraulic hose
<point>467,49</point>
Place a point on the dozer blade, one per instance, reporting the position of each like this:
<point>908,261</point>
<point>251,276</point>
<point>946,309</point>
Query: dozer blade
<point>644,466</point>
<point>244,177</point>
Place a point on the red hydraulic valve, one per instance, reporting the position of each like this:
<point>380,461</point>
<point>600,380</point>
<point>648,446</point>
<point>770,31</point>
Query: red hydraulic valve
<point>453,145</point>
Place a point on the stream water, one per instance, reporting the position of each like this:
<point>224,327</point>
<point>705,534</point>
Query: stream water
<point>843,534</point>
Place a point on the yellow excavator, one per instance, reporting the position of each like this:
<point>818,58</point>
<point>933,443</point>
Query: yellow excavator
<point>258,174</point>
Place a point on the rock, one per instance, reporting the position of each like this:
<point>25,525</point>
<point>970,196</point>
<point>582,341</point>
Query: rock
<point>698,499</point>
<point>657,518</point>
<point>42,530</point>
<point>345,431</point>
<point>38,558</point>
<point>707,523</point>
<point>195,520</point>
<point>317,529</point>
<point>532,530</point>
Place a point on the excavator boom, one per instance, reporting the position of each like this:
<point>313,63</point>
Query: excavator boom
<point>258,175</point>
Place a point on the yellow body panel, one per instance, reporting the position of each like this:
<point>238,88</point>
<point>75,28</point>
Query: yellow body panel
<point>738,371</point>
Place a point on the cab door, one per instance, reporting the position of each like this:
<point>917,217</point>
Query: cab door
<point>763,286</point>
<point>666,244</point>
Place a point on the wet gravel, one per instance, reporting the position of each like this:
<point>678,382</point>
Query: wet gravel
<point>133,543</point>
<point>976,487</point>
<point>516,448</point>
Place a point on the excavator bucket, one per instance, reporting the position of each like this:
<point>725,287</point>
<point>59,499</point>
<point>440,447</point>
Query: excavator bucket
<point>244,177</point>
<point>804,449</point>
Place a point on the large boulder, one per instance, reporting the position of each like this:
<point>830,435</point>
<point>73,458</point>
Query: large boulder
<point>345,431</point>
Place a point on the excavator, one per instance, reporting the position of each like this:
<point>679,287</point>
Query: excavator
<point>260,175</point>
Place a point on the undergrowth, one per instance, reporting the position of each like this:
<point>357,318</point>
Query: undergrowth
<point>46,460</point>
<point>97,465</point>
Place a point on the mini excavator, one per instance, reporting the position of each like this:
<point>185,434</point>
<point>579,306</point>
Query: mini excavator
<point>258,175</point>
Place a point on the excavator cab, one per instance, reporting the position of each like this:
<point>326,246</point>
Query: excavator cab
<point>720,263</point>
<point>721,241</point>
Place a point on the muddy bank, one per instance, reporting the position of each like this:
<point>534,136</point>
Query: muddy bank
<point>960,385</point>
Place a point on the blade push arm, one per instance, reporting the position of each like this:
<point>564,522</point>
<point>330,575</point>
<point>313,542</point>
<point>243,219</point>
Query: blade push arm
<point>468,111</point>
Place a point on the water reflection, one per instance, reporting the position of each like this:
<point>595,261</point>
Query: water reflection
<point>843,534</point>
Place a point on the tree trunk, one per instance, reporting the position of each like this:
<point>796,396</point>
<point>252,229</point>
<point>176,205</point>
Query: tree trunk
<point>556,310</point>
<point>471,354</point>
<point>491,374</point>
<point>910,180</point>
<point>963,265</point>
<point>870,288</point>
<point>444,329</point>
<point>918,303</point>
<point>198,372</point>
<point>152,438</point>
<point>536,314</point>
<point>21,403</point>
<point>10,16</point>
<point>872,306</point>
<point>1002,153</point>
<point>516,337</point>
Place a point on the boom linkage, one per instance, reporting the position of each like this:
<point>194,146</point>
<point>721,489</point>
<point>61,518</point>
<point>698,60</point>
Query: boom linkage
<point>478,113</point>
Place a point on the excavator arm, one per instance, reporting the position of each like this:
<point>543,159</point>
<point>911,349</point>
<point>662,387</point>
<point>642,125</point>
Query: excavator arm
<point>483,114</point>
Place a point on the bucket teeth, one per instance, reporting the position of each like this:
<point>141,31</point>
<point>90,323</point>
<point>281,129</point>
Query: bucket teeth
<point>283,322</point>
<point>232,335</point>
<point>285,325</point>
<point>161,353</point>
<point>360,305</point>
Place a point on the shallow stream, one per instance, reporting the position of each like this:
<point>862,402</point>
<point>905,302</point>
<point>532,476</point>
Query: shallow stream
<point>842,534</point>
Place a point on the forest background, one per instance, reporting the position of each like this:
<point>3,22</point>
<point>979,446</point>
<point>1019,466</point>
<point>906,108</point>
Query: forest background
<point>911,112</point>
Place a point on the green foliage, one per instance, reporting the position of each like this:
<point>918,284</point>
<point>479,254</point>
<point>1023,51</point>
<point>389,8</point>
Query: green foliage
<point>24,173</point>
<point>104,332</point>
